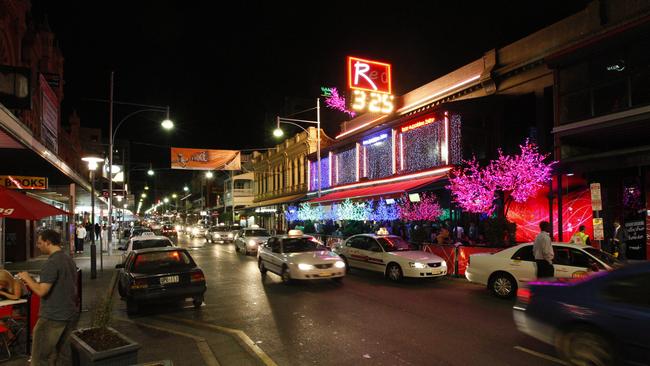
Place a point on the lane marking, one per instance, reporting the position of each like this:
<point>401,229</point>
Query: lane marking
<point>541,355</point>
<point>235,332</point>
<point>204,349</point>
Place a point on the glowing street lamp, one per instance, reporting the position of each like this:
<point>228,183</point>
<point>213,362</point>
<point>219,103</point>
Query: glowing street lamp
<point>92,166</point>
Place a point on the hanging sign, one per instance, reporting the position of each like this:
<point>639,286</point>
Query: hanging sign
<point>371,85</point>
<point>204,159</point>
<point>21,182</point>
<point>599,229</point>
<point>596,202</point>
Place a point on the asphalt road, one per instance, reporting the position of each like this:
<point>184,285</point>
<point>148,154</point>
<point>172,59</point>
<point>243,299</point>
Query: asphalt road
<point>364,320</point>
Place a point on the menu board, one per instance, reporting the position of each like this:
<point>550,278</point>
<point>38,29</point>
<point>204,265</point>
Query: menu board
<point>636,242</point>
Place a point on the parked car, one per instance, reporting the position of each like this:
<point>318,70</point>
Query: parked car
<point>145,242</point>
<point>170,232</point>
<point>139,230</point>
<point>299,257</point>
<point>503,272</point>
<point>602,319</point>
<point>390,255</point>
<point>248,240</point>
<point>220,234</point>
<point>160,274</point>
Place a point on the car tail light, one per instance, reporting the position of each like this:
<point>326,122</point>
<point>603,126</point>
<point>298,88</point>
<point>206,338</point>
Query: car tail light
<point>197,277</point>
<point>140,283</point>
<point>524,295</point>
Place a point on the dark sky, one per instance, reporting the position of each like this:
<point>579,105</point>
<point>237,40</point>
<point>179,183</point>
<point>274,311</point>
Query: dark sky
<point>227,68</point>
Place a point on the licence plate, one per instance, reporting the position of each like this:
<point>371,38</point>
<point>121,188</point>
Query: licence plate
<point>168,280</point>
<point>324,274</point>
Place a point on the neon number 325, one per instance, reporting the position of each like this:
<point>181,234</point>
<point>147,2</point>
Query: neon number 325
<point>387,103</point>
<point>375,102</point>
<point>359,100</point>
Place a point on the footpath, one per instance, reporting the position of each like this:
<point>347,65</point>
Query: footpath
<point>163,340</point>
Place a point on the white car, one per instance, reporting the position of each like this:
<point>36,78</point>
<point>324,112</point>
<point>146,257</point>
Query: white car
<point>299,257</point>
<point>144,242</point>
<point>502,272</point>
<point>390,255</point>
<point>248,240</point>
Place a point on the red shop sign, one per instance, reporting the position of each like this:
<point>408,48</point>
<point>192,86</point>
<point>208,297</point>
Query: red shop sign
<point>373,76</point>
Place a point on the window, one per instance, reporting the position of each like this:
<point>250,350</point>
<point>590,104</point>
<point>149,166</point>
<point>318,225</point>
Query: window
<point>358,242</point>
<point>580,259</point>
<point>561,256</point>
<point>372,245</point>
<point>524,254</point>
<point>298,245</point>
<point>275,245</point>
<point>633,290</point>
<point>162,262</point>
<point>394,244</point>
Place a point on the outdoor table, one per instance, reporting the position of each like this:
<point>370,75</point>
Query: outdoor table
<point>27,322</point>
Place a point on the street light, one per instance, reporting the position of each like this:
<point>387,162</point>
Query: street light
<point>150,172</point>
<point>92,165</point>
<point>185,189</point>
<point>290,121</point>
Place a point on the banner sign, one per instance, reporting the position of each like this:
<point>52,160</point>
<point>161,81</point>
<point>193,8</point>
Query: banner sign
<point>204,159</point>
<point>22,182</point>
<point>49,116</point>
<point>599,229</point>
<point>596,201</point>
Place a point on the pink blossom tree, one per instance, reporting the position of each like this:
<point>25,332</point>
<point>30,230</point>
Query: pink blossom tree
<point>428,209</point>
<point>471,189</point>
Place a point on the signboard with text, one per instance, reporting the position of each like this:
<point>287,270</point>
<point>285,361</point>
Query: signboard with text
<point>204,159</point>
<point>596,201</point>
<point>599,229</point>
<point>371,85</point>
<point>49,116</point>
<point>23,182</point>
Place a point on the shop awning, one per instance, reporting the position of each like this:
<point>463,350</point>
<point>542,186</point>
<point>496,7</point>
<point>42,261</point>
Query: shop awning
<point>384,190</point>
<point>278,200</point>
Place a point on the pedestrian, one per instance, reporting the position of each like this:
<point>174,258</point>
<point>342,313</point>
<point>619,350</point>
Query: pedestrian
<point>89,230</point>
<point>98,231</point>
<point>580,237</point>
<point>619,240</point>
<point>543,251</point>
<point>58,292</point>
<point>81,237</point>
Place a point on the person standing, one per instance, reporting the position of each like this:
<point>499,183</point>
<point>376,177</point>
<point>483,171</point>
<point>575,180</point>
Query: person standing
<point>543,251</point>
<point>58,292</point>
<point>619,240</point>
<point>580,237</point>
<point>81,237</point>
<point>98,231</point>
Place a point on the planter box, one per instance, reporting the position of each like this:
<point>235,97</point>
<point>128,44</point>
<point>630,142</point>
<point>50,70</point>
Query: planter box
<point>84,355</point>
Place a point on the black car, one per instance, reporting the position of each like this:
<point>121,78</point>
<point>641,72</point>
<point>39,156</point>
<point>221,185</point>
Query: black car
<point>160,274</point>
<point>169,231</point>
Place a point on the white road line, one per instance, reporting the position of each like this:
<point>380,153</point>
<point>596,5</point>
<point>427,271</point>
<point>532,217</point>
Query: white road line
<point>541,355</point>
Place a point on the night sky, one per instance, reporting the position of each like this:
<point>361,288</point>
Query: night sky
<point>227,68</point>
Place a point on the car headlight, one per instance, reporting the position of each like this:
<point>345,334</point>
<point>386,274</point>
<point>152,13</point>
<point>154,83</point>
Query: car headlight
<point>195,231</point>
<point>417,265</point>
<point>305,266</point>
<point>252,243</point>
<point>339,264</point>
<point>217,235</point>
<point>178,228</point>
<point>230,236</point>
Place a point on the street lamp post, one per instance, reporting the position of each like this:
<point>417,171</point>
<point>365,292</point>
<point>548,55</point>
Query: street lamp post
<point>92,165</point>
<point>278,133</point>
<point>166,124</point>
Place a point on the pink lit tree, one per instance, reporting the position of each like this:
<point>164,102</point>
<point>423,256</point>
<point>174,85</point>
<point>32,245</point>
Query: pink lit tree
<point>335,101</point>
<point>518,177</point>
<point>428,209</point>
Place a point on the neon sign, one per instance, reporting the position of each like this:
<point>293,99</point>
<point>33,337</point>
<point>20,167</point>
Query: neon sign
<point>375,139</point>
<point>418,124</point>
<point>371,85</point>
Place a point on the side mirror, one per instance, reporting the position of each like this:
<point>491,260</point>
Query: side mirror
<point>118,266</point>
<point>121,248</point>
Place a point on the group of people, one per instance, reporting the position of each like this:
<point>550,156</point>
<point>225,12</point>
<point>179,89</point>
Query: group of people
<point>543,250</point>
<point>83,234</point>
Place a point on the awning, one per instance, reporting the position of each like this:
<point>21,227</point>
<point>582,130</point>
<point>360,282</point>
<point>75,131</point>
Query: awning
<point>383,190</point>
<point>278,200</point>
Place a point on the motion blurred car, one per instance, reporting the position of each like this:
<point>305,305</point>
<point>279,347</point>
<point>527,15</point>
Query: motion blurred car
<point>248,240</point>
<point>158,275</point>
<point>504,271</point>
<point>170,232</point>
<point>299,257</point>
<point>139,230</point>
<point>198,231</point>
<point>220,234</point>
<point>390,255</point>
<point>602,319</point>
<point>145,242</point>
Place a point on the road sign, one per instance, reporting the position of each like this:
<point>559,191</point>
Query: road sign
<point>599,229</point>
<point>596,202</point>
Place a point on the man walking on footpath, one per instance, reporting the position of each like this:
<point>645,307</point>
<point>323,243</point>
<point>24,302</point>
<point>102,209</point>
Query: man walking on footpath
<point>81,238</point>
<point>619,240</point>
<point>58,292</point>
<point>543,251</point>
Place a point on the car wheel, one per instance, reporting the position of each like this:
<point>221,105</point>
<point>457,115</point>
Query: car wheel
<point>197,302</point>
<point>584,346</point>
<point>347,266</point>
<point>503,285</point>
<point>394,272</point>
<point>260,264</point>
<point>131,307</point>
<point>286,275</point>
<point>120,290</point>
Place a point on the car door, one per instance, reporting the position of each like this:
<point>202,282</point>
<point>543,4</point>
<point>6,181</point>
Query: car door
<point>522,264</point>
<point>273,255</point>
<point>578,263</point>
<point>356,253</point>
<point>375,255</point>
<point>123,274</point>
<point>240,239</point>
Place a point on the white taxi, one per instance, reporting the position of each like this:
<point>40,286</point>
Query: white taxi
<point>145,241</point>
<point>390,255</point>
<point>502,272</point>
<point>299,257</point>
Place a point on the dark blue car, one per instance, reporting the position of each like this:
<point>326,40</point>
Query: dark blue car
<point>603,319</point>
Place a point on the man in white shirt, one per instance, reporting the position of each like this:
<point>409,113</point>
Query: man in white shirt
<point>81,237</point>
<point>543,251</point>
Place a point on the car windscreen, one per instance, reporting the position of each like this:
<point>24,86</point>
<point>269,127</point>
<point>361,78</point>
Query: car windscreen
<point>223,229</point>
<point>394,244</point>
<point>606,258</point>
<point>297,245</point>
<point>257,233</point>
<point>144,244</point>
<point>162,262</point>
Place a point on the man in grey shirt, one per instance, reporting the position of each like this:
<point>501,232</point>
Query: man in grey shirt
<point>543,251</point>
<point>58,292</point>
